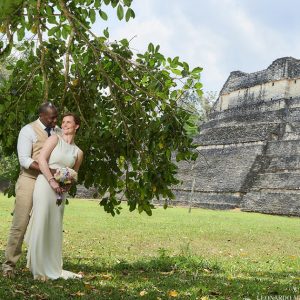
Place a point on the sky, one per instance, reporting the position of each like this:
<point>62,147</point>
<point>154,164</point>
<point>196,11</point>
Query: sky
<point>219,35</point>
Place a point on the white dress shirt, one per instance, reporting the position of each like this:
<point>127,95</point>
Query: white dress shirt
<point>27,137</point>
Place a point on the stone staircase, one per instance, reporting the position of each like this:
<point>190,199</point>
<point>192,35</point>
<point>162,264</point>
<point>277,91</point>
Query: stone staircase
<point>276,188</point>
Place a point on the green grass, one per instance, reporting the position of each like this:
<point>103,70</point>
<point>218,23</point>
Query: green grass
<point>202,255</point>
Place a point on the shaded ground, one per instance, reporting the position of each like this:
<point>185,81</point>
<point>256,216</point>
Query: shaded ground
<point>171,255</point>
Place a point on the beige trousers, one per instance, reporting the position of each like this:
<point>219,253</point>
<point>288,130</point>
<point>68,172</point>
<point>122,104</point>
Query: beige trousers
<point>22,210</point>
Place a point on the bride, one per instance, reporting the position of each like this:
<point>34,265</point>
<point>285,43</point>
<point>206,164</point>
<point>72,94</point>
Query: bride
<point>44,232</point>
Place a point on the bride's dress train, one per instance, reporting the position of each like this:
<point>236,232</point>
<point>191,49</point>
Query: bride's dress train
<point>44,234</point>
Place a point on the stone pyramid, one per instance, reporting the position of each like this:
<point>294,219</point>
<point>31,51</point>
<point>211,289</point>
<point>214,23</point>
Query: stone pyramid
<point>250,146</point>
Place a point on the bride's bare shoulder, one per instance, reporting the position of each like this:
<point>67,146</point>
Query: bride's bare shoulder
<point>80,152</point>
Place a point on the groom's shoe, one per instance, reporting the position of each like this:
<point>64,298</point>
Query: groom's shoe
<point>9,273</point>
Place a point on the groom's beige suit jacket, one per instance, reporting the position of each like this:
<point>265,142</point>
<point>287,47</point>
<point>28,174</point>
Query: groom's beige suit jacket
<point>36,149</point>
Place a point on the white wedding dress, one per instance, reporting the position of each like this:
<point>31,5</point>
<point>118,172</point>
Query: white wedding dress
<point>45,230</point>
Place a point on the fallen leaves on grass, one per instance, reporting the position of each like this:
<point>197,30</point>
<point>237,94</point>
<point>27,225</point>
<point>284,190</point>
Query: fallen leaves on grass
<point>173,293</point>
<point>59,286</point>
<point>88,286</point>
<point>230,277</point>
<point>78,294</point>
<point>106,276</point>
<point>19,292</point>
<point>167,273</point>
<point>143,293</point>
<point>39,297</point>
<point>207,270</point>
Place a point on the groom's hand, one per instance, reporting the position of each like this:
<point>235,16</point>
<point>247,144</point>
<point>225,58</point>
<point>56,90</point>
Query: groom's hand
<point>53,171</point>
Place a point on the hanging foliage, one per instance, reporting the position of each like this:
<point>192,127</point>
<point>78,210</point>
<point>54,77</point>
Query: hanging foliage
<point>132,122</point>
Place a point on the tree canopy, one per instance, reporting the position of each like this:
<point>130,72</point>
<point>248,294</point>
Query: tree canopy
<point>133,122</point>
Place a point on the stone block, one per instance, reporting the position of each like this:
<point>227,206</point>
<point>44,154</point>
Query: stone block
<point>283,163</point>
<point>220,169</point>
<point>210,200</point>
<point>272,202</point>
<point>283,148</point>
<point>280,180</point>
<point>237,134</point>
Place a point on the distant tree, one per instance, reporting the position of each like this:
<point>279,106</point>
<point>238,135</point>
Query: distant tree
<point>199,107</point>
<point>129,103</point>
<point>8,166</point>
<point>4,73</point>
<point>207,101</point>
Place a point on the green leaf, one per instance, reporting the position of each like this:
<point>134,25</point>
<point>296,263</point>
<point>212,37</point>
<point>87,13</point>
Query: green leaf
<point>57,33</point>
<point>92,15</point>
<point>114,3</point>
<point>106,2</point>
<point>140,209</point>
<point>198,85</point>
<point>106,33</point>
<point>174,94</point>
<point>103,15</point>
<point>176,72</point>
<point>128,14</point>
<point>186,66</point>
<point>127,2</point>
<point>97,3</point>
<point>197,70</point>
<point>199,93</point>
<point>132,14</point>
<point>147,209</point>
<point>120,12</point>
<point>184,73</point>
<point>52,20</point>
<point>85,59</point>
<point>9,67</point>
<point>52,30</point>
<point>151,47</point>
<point>49,10</point>
<point>124,42</point>
<point>65,31</point>
<point>21,33</point>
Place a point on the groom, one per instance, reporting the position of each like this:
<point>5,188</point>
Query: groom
<point>30,142</point>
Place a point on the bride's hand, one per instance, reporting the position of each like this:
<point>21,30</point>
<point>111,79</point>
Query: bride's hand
<point>55,186</point>
<point>66,188</point>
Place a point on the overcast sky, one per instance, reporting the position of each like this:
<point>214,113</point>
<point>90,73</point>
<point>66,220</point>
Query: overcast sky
<point>219,35</point>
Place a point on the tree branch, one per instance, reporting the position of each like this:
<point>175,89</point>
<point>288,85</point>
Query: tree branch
<point>67,66</point>
<point>42,48</point>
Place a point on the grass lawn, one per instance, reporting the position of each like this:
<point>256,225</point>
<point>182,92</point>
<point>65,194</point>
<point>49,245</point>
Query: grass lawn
<point>172,255</point>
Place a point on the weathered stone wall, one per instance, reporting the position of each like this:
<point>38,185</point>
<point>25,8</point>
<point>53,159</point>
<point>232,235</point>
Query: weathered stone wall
<point>250,147</point>
<point>286,67</point>
<point>280,80</point>
<point>285,88</point>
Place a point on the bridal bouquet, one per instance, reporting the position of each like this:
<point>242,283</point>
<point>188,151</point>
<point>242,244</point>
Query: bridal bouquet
<point>65,177</point>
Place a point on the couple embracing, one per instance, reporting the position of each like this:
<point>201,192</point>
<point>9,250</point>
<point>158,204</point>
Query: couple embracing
<point>42,149</point>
